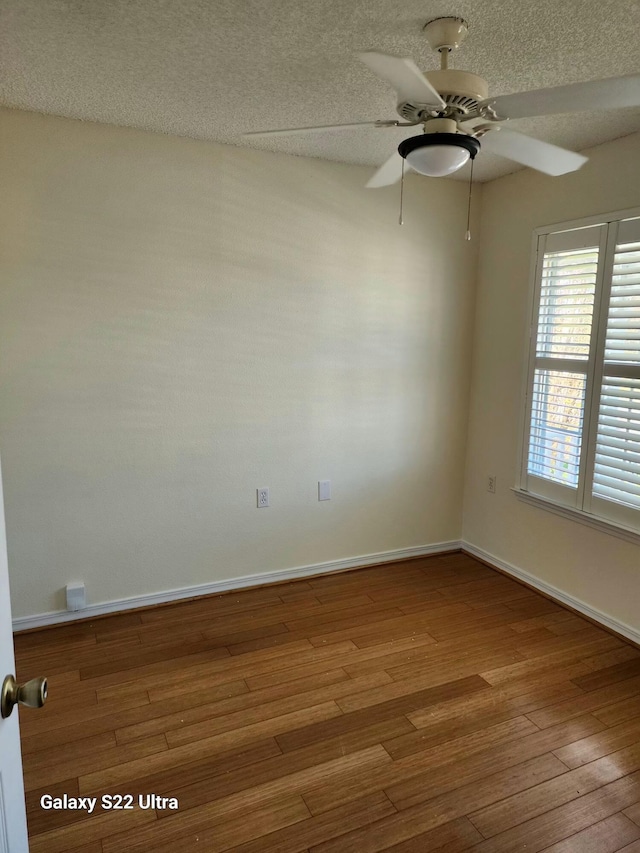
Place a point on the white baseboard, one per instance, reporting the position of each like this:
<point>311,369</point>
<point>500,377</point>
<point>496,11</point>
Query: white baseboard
<point>553,592</point>
<point>39,620</point>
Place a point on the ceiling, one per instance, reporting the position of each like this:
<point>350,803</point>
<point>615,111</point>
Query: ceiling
<point>213,69</point>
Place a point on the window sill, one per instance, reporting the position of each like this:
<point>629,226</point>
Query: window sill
<point>600,524</point>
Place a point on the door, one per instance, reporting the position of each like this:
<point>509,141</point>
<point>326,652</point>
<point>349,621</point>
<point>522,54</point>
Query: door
<point>13,821</point>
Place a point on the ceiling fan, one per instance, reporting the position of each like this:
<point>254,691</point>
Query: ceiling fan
<point>456,112</point>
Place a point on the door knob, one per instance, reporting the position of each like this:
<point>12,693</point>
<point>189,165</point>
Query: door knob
<point>33,694</point>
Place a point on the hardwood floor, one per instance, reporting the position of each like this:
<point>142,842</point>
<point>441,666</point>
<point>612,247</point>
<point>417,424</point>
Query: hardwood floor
<point>428,705</point>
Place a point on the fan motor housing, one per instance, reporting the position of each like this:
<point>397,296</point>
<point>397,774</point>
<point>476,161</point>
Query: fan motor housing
<point>460,90</point>
<point>458,83</point>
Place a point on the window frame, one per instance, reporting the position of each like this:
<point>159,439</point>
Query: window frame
<point>578,504</point>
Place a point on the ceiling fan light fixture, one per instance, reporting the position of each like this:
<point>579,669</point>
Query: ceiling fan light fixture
<point>438,154</point>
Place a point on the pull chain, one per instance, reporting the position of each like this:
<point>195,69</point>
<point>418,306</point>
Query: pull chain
<point>467,236</point>
<point>401,220</point>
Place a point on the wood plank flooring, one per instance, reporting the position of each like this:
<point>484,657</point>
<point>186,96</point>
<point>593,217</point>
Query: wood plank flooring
<point>427,705</point>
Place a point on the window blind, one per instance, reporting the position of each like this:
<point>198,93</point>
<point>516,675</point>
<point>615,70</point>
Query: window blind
<point>557,413</point>
<point>566,303</point>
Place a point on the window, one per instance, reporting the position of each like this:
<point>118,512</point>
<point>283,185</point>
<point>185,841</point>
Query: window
<point>582,416</point>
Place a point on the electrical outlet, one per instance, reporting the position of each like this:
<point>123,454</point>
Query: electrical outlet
<point>491,484</point>
<point>324,490</point>
<point>263,497</point>
<point>76,596</point>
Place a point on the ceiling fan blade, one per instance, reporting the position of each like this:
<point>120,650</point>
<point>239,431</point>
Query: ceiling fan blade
<point>539,155</point>
<point>321,127</point>
<point>609,94</point>
<point>389,173</point>
<point>405,77</point>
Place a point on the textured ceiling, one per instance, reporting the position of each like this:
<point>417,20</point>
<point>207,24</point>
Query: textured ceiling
<point>212,69</point>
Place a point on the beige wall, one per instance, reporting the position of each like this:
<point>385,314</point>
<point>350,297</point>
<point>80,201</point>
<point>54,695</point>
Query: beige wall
<point>181,323</point>
<point>597,568</point>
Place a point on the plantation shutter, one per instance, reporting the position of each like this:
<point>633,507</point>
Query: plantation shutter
<point>562,361</point>
<point>616,473</point>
